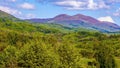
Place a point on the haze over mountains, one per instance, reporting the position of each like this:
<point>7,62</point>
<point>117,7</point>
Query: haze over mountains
<point>80,21</point>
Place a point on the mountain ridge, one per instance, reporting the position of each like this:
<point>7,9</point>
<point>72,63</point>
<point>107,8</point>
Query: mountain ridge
<point>75,21</point>
<point>79,20</point>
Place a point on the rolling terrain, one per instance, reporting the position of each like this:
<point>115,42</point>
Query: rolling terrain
<point>50,45</point>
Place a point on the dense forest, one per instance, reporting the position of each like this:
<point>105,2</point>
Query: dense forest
<point>27,45</point>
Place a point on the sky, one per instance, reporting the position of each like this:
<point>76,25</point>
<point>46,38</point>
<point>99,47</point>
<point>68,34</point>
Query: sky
<point>103,10</point>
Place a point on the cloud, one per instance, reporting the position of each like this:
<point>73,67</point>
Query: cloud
<point>117,12</point>
<point>10,10</point>
<point>27,6</point>
<point>45,1</point>
<point>112,1</point>
<point>82,4</point>
<point>13,0</point>
<point>17,13</point>
<point>30,15</point>
<point>71,4</point>
<point>9,0</point>
<point>106,18</point>
<point>91,4</point>
<point>102,4</point>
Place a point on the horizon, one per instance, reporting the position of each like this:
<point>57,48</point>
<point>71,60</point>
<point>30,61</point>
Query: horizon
<point>27,9</point>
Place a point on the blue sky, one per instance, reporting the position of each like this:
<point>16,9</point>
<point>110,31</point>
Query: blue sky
<point>104,10</point>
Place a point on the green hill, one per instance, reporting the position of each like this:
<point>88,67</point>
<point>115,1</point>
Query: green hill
<point>7,16</point>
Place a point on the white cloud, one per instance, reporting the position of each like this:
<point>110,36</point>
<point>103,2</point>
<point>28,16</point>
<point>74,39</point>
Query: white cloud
<point>82,4</point>
<point>13,0</point>
<point>71,4</point>
<point>112,1</point>
<point>17,13</point>
<point>27,6</point>
<point>117,12</point>
<point>30,15</point>
<point>92,4</point>
<point>101,4</point>
<point>106,18</point>
<point>10,10</point>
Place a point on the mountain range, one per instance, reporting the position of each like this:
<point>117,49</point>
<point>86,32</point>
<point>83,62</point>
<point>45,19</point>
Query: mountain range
<point>80,21</point>
<point>75,21</point>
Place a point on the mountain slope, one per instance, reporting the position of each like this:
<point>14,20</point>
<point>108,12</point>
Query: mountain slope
<point>10,22</point>
<point>4,15</point>
<point>80,21</point>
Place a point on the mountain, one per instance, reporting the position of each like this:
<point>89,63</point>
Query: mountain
<point>80,21</point>
<point>75,21</point>
<point>10,22</point>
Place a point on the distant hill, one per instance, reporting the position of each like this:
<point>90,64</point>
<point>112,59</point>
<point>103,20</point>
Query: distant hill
<point>80,21</point>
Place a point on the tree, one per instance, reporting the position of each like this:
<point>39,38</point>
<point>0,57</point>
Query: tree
<point>104,56</point>
<point>35,55</point>
<point>8,58</point>
<point>69,57</point>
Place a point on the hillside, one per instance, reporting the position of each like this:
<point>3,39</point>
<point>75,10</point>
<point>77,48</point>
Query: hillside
<point>29,45</point>
<point>10,22</point>
<point>8,16</point>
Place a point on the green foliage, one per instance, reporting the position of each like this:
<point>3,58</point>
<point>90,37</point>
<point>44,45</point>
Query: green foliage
<point>104,56</point>
<point>8,58</point>
<point>36,55</point>
<point>69,57</point>
<point>25,45</point>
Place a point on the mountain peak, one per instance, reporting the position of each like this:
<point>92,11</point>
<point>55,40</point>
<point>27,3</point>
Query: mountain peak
<point>79,15</point>
<point>61,17</point>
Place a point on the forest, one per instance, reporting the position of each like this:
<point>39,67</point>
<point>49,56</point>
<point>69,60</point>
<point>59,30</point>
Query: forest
<point>28,45</point>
